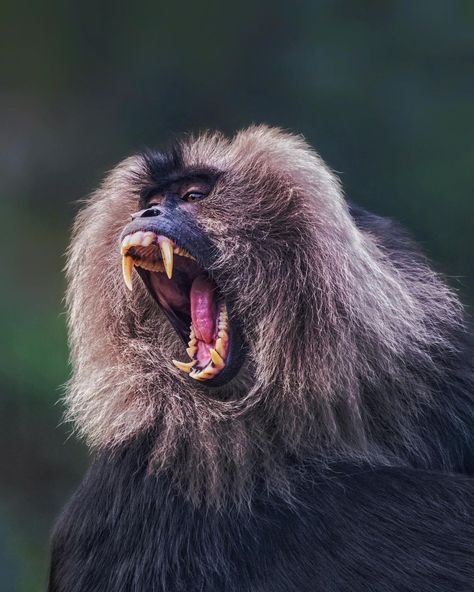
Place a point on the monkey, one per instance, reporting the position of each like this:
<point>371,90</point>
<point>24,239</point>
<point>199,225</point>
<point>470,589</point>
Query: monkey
<point>277,385</point>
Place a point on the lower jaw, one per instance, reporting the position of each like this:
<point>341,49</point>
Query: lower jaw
<point>208,360</point>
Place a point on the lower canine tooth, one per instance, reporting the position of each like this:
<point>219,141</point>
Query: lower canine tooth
<point>217,360</point>
<point>127,270</point>
<point>183,366</point>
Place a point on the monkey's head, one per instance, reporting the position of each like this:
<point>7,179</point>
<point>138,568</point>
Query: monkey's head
<point>222,298</point>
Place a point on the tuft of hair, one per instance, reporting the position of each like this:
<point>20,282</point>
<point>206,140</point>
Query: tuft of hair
<point>352,337</point>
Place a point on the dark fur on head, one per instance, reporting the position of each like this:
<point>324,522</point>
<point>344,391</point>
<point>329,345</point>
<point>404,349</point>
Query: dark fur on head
<point>356,348</point>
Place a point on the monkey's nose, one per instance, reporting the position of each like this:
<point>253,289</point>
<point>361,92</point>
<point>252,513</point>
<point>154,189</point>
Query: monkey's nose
<point>147,213</point>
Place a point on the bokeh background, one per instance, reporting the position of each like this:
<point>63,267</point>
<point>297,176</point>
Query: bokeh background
<point>383,90</point>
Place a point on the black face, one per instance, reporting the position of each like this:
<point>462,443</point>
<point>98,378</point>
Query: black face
<point>173,257</point>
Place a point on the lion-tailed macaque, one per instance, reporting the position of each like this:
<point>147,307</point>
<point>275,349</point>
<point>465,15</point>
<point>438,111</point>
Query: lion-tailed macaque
<point>277,387</point>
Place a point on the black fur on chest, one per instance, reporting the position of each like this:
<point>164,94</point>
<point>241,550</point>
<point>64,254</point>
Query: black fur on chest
<point>349,529</point>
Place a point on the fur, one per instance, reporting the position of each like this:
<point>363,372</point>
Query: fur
<point>329,463</point>
<point>348,529</point>
<point>357,349</point>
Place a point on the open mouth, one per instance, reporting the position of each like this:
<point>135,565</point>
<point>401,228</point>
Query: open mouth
<point>188,296</point>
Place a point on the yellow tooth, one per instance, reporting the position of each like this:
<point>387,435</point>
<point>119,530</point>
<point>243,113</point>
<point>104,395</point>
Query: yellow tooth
<point>208,371</point>
<point>215,357</point>
<point>220,347</point>
<point>197,375</point>
<point>202,375</point>
<point>191,351</point>
<point>166,247</point>
<point>183,366</point>
<point>127,270</point>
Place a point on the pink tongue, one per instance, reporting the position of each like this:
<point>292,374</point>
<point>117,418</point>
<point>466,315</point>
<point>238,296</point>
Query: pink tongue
<point>203,308</point>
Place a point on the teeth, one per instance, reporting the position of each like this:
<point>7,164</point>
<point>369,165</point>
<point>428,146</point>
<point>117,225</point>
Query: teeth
<point>183,366</point>
<point>223,321</point>
<point>203,374</point>
<point>148,239</point>
<point>183,253</point>
<point>166,247</point>
<point>197,375</point>
<point>191,351</point>
<point>124,245</point>
<point>137,239</point>
<point>220,347</point>
<point>150,265</point>
<point>144,244</point>
<point>217,360</point>
<point>127,270</point>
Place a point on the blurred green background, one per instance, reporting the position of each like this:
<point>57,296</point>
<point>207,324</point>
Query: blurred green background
<point>384,90</point>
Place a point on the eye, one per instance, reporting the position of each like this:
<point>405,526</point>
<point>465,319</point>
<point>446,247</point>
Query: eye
<point>194,196</point>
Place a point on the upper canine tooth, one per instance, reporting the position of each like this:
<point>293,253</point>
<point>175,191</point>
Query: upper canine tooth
<point>217,360</point>
<point>166,247</point>
<point>183,366</point>
<point>127,270</point>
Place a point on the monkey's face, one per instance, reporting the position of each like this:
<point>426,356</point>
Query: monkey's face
<point>174,257</point>
<point>221,238</point>
<point>226,246</point>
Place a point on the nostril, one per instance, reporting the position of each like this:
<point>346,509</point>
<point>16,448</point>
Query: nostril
<point>148,213</point>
